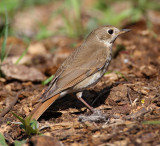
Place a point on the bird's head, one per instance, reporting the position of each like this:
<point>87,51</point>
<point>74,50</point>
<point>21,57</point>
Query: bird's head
<point>108,34</point>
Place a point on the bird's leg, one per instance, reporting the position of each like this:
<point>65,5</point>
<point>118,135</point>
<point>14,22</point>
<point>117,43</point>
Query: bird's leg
<point>96,116</point>
<point>79,96</point>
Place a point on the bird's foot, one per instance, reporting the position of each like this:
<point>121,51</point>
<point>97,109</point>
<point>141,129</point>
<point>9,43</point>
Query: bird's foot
<point>97,116</point>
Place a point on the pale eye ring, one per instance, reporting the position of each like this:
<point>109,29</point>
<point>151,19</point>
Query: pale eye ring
<point>110,31</point>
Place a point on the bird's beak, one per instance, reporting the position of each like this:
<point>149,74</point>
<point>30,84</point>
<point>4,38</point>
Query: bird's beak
<point>124,31</point>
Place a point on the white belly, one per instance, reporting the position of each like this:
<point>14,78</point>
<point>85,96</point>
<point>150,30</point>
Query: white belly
<point>91,80</point>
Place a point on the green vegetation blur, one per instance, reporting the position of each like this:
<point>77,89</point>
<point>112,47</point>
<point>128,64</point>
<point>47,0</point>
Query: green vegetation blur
<point>102,13</point>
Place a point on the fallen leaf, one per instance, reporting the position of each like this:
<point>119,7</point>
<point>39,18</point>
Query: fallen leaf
<point>22,72</point>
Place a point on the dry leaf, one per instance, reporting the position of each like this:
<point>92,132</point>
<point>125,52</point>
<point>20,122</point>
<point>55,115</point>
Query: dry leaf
<point>22,72</point>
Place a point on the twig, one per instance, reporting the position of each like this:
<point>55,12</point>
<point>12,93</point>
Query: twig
<point>129,96</point>
<point>106,91</point>
<point>6,110</point>
<point>9,138</point>
<point>137,114</point>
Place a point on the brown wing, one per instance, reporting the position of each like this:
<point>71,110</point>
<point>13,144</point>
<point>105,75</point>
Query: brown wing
<point>81,64</point>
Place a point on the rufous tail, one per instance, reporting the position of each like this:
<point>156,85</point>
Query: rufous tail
<point>42,107</point>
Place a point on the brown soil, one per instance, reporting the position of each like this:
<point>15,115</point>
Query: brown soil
<point>129,94</point>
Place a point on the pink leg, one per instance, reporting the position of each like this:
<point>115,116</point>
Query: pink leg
<point>79,96</point>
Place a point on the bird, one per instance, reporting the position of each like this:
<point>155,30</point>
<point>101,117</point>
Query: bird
<point>82,69</point>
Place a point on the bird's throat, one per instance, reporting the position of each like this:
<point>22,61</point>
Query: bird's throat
<point>107,43</point>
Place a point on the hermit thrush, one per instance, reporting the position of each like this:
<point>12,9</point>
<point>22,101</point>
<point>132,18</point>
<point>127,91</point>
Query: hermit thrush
<point>82,69</point>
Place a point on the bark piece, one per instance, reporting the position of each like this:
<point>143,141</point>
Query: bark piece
<point>44,141</point>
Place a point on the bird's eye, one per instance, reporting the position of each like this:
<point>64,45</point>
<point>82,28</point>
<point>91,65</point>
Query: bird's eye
<point>110,31</point>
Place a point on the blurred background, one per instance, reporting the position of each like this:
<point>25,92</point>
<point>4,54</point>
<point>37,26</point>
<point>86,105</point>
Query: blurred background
<point>39,19</point>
